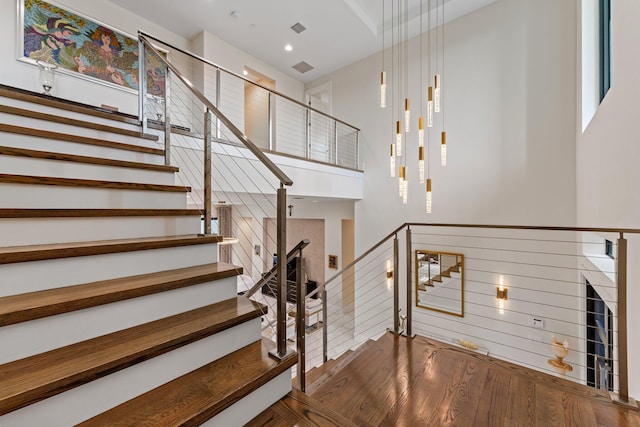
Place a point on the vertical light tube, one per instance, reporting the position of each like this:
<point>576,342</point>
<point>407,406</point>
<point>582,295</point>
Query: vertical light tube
<point>383,89</point>
<point>400,181</point>
<point>443,149</point>
<point>436,93</point>
<point>421,163</point>
<point>407,114</point>
<point>430,106</point>
<point>429,195</point>
<point>392,162</point>
<point>398,138</point>
<point>420,132</point>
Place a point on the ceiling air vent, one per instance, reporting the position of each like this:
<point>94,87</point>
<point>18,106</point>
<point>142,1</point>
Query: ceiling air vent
<point>298,27</point>
<point>302,67</point>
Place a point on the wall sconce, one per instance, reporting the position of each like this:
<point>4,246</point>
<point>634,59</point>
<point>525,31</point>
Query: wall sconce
<point>501,294</point>
<point>389,274</point>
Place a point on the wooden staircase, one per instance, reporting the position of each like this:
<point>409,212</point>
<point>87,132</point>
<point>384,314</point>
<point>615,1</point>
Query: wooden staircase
<point>113,309</point>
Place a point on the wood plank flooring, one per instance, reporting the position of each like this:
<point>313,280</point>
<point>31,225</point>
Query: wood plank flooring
<point>421,382</point>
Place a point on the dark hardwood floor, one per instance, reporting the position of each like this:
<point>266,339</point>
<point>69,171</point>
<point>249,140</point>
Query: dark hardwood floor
<point>420,382</point>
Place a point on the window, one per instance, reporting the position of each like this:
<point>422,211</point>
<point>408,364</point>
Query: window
<point>605,47</point>
<point>608,248</point>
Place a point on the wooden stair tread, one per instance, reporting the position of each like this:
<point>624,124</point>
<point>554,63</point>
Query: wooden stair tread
<point>36,305</point>
<point>34,378</point>
<point>13,254</point>
<point>91,183</point>
<point>49,155</point>
<point>20,130</point>
<point>201,394</point>
<point>93,213</point>
<point>297,408</point>
<point>74,122</point>
<point>63,104</point>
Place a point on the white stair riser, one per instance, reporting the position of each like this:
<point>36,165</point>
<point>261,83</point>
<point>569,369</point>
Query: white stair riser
<point>54,196</point>
<point>80,149</point>
<point>34,276</point>
<point>32,123</point>
<point>253,404</point>
<point>88,400</point>
<point>63,169</point>
<point>38,231</point>
<point>64,113</point>
<point>41,335</point>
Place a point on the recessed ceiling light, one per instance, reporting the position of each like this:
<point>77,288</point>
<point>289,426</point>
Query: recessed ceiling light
<point>245,72</point>
<point>288,47</point>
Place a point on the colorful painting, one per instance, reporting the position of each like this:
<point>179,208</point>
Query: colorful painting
<point>74,43</point>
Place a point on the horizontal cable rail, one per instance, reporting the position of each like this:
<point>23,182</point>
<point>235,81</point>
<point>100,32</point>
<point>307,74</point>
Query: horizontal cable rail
<point>201,59</point>
<point>274,122</point>
<point>284,179</point>
<point>545,297</point>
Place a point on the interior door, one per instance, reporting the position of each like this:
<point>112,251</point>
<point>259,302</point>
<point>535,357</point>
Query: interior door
<point>320,130</point>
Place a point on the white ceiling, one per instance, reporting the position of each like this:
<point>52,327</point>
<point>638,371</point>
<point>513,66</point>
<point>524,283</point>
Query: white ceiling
<point>338,32</point>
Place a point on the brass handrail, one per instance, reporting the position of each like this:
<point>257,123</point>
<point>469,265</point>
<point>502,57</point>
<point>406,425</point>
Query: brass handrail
<point>282,177</point>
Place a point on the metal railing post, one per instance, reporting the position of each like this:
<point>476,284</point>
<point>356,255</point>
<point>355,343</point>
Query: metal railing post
<point>335,142</point>
<point>623,373</point>
<point>358,150</point>
<point>325,353</point>
<point>281,279</point>
<point>167,117</point>
<point>409,332</point>
<point>308,135</point>
<point>142,86</point>
<point>396,286</point>
<point>207,171</point>
<point>301,292</point>
<point>272,141</point>
<point>218,131</point>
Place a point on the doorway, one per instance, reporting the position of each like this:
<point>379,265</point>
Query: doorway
<point>321,144</point>
<point>256,107</point>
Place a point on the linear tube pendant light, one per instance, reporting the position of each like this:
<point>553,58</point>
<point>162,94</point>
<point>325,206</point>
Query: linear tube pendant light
<point>430,106</point>
<point>443,149</point>
<point>392,162</point>
<point>428,196</point>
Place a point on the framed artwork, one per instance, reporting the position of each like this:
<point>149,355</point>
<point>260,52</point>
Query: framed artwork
<point>333,261</point>
<point>83,47</point>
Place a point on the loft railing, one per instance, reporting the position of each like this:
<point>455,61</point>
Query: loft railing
<point>273,121</point>
<point>247,186</point>
<point>552,299</point>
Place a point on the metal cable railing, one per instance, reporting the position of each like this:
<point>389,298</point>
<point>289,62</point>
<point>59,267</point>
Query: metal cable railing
<point>552,299</point>
<point>239,190</point>
<point>270,119</point>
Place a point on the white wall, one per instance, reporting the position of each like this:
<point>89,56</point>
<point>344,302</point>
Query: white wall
<point>607,156</point>
<point>26,76</point>
<point>510,103</point>
<point>509,90</point>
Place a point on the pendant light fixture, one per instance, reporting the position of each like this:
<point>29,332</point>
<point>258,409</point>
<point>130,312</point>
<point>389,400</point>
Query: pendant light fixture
<point>383,74</point>
<point>431,91</point>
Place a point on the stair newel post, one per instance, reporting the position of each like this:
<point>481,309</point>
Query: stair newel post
<point>207,171</point>
<point>301,292</point>
<point>409,332</point>
<point>281,294</point>
<point>142,86</point>
<point>623,373</point>
<point>396,286</point>
<point>325,355</point>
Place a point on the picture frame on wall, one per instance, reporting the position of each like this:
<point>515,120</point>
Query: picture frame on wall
<point>333,262</point>
<point>83,47</point>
